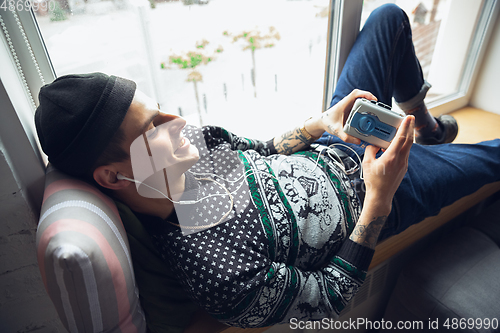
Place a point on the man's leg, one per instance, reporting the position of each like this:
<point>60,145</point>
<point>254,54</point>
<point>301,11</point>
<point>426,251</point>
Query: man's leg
<point>383,61</point>
<point>438,176</point>
<point>382,52</point>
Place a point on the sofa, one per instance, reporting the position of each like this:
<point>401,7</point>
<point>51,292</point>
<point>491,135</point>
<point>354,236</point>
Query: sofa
<point>92,268</point>
<point>84,258</point>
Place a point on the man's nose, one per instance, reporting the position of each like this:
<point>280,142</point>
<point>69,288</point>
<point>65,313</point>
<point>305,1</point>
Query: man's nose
<point>175,119</point>
<point>175,124</point>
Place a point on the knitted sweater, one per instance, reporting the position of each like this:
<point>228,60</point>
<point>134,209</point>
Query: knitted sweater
<point>282,252</point>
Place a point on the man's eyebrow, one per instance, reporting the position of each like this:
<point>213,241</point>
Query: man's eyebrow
<point>146,125</point>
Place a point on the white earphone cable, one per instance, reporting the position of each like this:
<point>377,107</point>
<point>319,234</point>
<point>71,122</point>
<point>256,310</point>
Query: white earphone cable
<point>245,174</point>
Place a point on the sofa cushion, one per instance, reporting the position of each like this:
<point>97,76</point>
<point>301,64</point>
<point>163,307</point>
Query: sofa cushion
<point>84,259</point>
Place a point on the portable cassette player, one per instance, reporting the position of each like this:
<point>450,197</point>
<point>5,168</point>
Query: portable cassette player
<point>373,122</point>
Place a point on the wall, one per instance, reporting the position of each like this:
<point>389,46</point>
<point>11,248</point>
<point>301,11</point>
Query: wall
<point>487,86</point>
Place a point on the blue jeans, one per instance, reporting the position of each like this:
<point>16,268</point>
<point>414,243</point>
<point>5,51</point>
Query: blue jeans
<point>383,62</point>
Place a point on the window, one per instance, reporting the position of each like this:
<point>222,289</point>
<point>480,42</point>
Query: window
<point>289,81</point>
<point>255,67</point>
<point>449,38</point>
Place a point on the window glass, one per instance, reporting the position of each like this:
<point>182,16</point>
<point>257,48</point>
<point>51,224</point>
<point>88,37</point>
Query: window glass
<point>255,67</point>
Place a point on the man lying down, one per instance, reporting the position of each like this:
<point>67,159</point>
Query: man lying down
<point>262,232</point>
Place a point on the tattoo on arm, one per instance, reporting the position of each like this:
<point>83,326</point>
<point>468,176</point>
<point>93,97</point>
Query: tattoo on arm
<point>291,142</point>
<point>333,130</point>
<point>367,235</point>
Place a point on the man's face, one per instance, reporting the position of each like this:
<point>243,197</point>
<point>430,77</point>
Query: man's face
<point>160,136</point>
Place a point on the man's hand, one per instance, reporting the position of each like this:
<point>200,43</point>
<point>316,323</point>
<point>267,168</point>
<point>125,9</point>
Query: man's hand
<point>384,174</point>
<point>333,120</point>
<point>382,178</point>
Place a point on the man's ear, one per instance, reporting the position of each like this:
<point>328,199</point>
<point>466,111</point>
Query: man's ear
<point>105,176</point>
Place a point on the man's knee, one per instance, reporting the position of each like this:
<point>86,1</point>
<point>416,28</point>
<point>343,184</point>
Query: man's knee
<point>390,10</point>
<point>390,14</point>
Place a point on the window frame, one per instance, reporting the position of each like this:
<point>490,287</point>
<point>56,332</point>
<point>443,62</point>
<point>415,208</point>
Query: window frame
<point>21,78</point>
<point>343,29</point>
<point>32,74</point>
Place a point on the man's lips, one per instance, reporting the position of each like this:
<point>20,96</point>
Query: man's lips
<point>183,143</point>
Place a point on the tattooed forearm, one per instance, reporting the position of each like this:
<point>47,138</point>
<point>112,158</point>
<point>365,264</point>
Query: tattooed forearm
<point>290,142</point>
<point>367,234</point>
<point>333,130</point>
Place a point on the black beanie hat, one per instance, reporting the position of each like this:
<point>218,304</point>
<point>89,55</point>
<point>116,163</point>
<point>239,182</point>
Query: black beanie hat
<point>77,117</point>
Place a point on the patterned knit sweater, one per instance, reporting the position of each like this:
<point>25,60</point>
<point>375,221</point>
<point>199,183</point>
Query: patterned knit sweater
<point>283,251</point>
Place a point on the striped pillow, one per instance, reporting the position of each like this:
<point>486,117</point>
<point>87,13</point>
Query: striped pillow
<point>84,258</point>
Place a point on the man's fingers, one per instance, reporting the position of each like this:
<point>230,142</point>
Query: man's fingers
<point>410,135</point>
<point>351,139</point>
<point>356,93</point>
<point>404,135</point>
<point>348,101</point>
<point>407,134</point>
<point>370,153</point>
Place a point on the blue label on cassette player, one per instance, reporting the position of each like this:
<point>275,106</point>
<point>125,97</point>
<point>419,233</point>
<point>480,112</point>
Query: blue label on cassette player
<point>369,124</point>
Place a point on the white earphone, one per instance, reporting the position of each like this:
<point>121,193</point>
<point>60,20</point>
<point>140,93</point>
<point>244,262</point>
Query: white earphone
<point>187,202</point>
<point>122,177</point>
